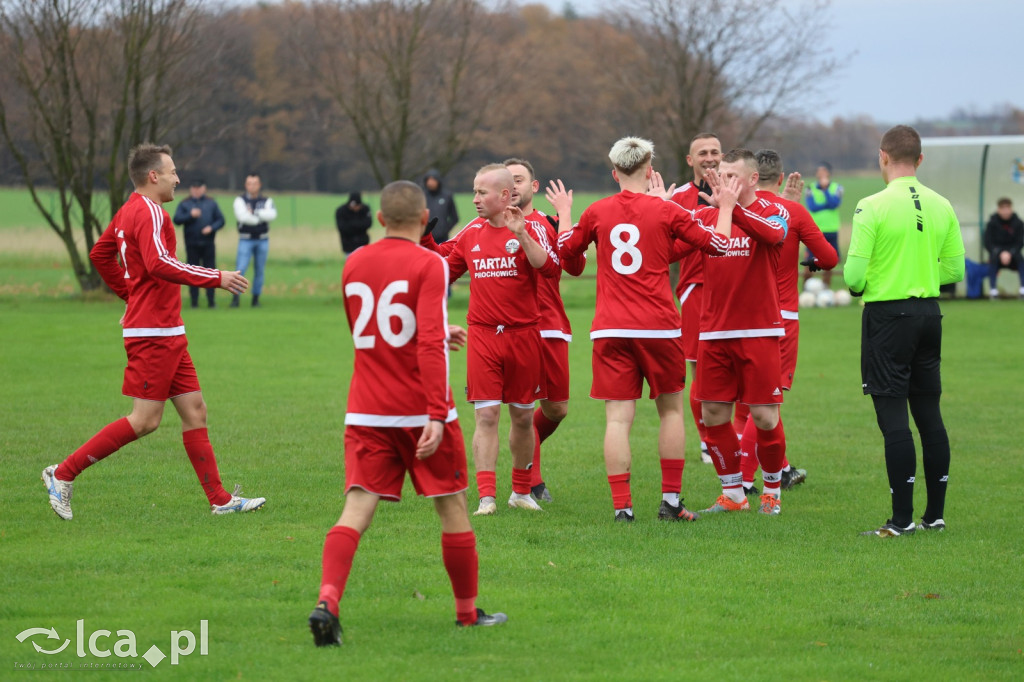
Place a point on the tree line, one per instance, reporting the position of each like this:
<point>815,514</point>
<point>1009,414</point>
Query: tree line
<point>342,95</point>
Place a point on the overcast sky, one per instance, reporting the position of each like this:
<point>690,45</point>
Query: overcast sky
<point>914,58</point>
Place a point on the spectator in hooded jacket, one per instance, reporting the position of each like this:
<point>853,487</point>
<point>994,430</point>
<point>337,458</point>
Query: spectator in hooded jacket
<point>354,222</point>
<point>441,205</point>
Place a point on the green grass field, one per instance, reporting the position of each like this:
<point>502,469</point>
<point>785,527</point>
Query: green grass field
<point>800,596</point>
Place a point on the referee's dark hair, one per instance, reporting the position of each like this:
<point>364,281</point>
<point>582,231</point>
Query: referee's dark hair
<point>902,144</point>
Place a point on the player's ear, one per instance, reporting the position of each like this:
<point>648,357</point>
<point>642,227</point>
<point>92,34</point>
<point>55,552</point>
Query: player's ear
<point>380,219</point>
<point>424,217</point>
<point>615,175</point>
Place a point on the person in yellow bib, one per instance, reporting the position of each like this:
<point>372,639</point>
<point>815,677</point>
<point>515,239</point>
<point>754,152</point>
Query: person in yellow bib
<point>905,244</point>
<point>822,199</point>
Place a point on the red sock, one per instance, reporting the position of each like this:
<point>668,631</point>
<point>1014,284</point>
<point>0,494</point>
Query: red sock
<point>109,440</point>
<point>724,448</point>
<point>771,449</point>
<point>486,484</point>
<point>748,446</point>
<point>739,417</point>
<point>460,560</point>
<point>672,475</point>
<point>200,453</point>
<point>621,497</point>
<point>542,427</point>
<point>339,547</point>
<point>698,417</point>
<point>521,481</point>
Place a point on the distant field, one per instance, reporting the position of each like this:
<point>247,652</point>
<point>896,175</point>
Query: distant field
<point>317,210</point>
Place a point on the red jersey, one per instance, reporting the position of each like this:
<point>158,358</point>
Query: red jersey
<point>691,264</point>
<point>741,295</point>
<point>554,323</point>
<point>396,303</point>
<point>635,234</point>
<point>148,275</point>
<point>802,229</point>
<point>503,284</point>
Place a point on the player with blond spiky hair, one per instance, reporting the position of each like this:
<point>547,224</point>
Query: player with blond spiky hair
<point>636,325</point>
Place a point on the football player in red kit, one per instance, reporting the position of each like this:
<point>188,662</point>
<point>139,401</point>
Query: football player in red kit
<point>802,230</point>
<point>738,358</point>
<point>400,415</point>
<point>705,154</point>
<point>555,331</point>
<point>504,256</point>
<point>636,325</point>
<point>135,257</point>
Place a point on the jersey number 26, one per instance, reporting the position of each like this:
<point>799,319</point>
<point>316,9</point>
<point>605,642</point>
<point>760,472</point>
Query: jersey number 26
<point>386,309</point>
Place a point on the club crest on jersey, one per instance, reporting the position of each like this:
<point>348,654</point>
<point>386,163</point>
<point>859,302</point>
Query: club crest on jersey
<point>512,246</point>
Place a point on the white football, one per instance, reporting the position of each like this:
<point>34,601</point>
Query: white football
<point>843,297</point>
<point>826,298</point>
<point>814,285</point>
<point>808,300</point>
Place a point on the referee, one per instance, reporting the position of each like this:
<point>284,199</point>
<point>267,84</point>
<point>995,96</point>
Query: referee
<point>906,243</point>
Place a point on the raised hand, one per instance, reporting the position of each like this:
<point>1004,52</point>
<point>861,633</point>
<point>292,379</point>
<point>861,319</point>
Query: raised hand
<point>559,198</point>
<point>728,193</point>
<point>714,181</point>
<point>657,188</point>
<point>794,188</point>
<point>516,222</point>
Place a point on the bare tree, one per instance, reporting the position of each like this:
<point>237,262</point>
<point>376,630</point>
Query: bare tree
<point>726,66</point>
<point>90,79</point>
<point>414,78</point>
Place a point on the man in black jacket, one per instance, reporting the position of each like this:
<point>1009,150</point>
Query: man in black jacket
<point>1004,237</point>
<point>201,218</point>
<point>354,222</point>
<point>441,206</point>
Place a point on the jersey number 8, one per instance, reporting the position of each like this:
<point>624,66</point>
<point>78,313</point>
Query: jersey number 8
<point>386,310</point>
<point>625,247</point>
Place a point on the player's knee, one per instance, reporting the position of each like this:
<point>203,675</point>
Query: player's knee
<point>144,424</point>
<point>555,411</point>
<point>520,418</point>
<point>487,417</point>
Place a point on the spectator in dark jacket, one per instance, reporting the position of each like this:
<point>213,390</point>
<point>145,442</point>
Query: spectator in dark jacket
<point>441,206</point>
<point>201,218</point>
<point>1004,238</point>
<point>353,221</point>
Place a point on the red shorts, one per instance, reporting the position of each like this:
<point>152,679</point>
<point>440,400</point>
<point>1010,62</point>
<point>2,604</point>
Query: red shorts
<point>787,348</point>
<point>158,368</point>
<point>376,460</point>
<point>689,318</point>
<point>504,366</point>
<point>556,369</point>
<point>620,366</point>
<point>743,370</point>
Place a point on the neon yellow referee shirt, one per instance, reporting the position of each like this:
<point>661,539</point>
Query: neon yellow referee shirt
<point>906,242</point>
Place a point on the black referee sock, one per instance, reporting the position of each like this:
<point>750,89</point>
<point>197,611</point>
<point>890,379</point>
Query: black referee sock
<point>901,464</point>
<point>935,451</point>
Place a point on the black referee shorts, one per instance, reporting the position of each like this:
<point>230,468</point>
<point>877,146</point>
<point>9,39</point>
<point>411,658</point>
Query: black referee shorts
<point>901,348</point>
